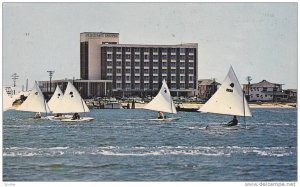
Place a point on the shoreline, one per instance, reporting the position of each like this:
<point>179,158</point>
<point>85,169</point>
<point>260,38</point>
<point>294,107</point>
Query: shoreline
<point>263,105</point>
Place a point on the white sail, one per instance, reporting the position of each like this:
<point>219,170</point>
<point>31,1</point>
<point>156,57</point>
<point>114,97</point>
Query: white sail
<point>229,98</point>
<point>71,102</point>
<point>7,100</point>
<point>55,99</point>
<point>162,101</point>
<point>35,101</point>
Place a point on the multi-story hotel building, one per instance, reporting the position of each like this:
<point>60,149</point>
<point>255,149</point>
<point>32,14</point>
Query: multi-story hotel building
<point>108,68</point>
<point>136,69</point>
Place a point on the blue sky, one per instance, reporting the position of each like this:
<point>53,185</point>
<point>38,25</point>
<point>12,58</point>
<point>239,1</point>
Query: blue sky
<point>257,39</point>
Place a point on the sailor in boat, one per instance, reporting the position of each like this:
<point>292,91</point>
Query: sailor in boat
<point>37,115</point>
<point>233,122</point>
<point>160,115</point>
<point>58,115</point>
<point>76,116</point>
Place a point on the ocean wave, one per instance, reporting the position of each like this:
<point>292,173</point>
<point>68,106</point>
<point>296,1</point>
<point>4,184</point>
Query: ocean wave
<point>149,151</point>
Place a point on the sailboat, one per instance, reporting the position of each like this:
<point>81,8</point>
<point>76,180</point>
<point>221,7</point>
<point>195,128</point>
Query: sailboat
<point>35,101</point>
<point>229,98</point>
<point>71,102</point>
<point>7,100</point>
<point>163,102</point>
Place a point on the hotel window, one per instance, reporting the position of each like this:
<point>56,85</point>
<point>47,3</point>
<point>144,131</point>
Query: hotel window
<point>155,63</point>
<point>164,71</point>
<point>109,70</point>
<point>173,57</point>
<point>164,77</point>
<point>146,49</point>
<point>155,85</point>
<point>173,50</point>
<point>136,49</point>
<point>109,56</point>
<point>191,71</point>
<point>137,71</point>
<point>181,78</point>
<point>164,57</point>
<point>146,85</point>
<point>155,57</point>
<point>155,50</point>
<point>109,49</point>
<point>127,56</point>
<point>136,56</point>
<point>119,78</point>
<point>173,78</point>
<point>137,86</point>
<point>191,64</point>
<point>146,71</point>
<point>182,64</point>
<point>109,77</point>
<point>127,49</point>
<point>173,71</point>
<point>119,56</point>
<point>191,50</point>
<point>146,78</point>
<point>118,63</point>
<point>173,85</point>
<point>109,63</point>
<point>146,63</point>
<point>128,78</point>
<point>146,57</point>
<point>119,70</point>
<point>164,64</point>
<point>182,57</point>
<point>137,78</point>
<point>128,85</point>
<point>155,71</point>
<point>191,57</point>
<point>127,63</point>
<point>182,50</point>
<point>191,85</point>
<point>118,49</point>
<point>136,63</point>
<point>265,89</point>
<point>182,85</point>
<point>118,85</point>
<point>155,78</point>
<point>173,64</point>
<point>164,50</point>
<point>191,78</point>
<point>181,71</point>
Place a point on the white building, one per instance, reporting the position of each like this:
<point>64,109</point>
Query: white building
<point>265,91</point>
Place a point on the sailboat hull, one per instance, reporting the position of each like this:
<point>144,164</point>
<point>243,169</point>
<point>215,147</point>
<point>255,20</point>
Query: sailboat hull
<point>83,119</point>
<point>165,119</point>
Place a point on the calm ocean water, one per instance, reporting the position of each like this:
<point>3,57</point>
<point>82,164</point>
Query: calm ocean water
<point>122,145</point>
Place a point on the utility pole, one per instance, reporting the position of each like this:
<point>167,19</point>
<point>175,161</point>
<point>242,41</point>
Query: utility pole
<point>15,76</point>
<point>50,76</point>
<point>249,78</point>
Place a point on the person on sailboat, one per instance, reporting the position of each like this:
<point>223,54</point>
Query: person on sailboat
<point>76,116</point>
<point>233,122</point>
<point>37,115</point>
<point>160,115</point>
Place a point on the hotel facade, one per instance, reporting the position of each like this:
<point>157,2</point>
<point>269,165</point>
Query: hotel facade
<point>134,69</point>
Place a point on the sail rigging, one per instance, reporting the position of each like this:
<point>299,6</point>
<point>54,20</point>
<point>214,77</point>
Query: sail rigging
<point>7,100</point>
<point>162,101</point>
<point>71,102</point>
<point>229,98</point>
<point>35,101</point>
<point>55,99</point>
